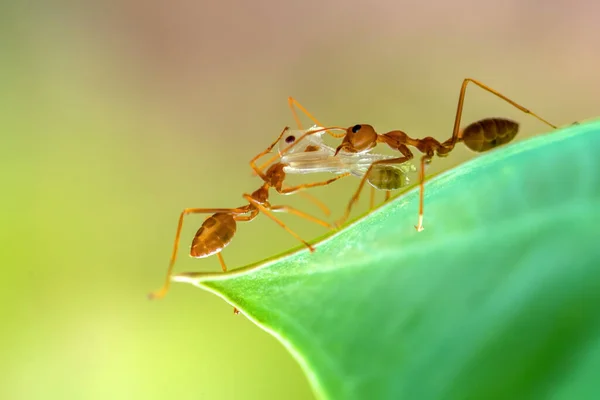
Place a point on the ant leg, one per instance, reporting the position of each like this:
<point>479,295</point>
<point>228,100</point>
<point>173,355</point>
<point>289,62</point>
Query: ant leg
<point>407,156</point>
<point>235,310</point>
<point>293,103</point>
<point>163,291</point>
<point>388,195</point>
<point>301,138</point>
<point>372,201</point>
<point>293,189</point>
<point>239,218</point>
<point>424,160</point>
<point>262,153</point>
<point>449,144</point>
<point>266,211</point>
<point>317,202</point>
<point>291,210</point>
<point>222,262</point>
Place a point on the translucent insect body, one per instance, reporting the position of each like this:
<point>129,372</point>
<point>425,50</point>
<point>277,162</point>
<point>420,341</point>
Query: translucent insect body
<point>312,155</point>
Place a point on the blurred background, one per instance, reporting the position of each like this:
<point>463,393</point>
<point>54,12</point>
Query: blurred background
<point>117,115</point>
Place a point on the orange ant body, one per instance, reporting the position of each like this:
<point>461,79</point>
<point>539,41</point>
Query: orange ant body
<point>218,230</point>
<point>479,136</point>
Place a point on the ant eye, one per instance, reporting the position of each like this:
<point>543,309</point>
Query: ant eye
<point>356,128</point>
<point>290,139</point>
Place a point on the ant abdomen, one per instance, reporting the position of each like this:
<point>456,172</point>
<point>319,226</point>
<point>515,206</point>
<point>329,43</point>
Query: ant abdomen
<point>215,233</point>
<point>489,133</point>
<point>387,177</point>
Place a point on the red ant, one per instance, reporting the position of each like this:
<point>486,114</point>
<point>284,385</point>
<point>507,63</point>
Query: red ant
<point>218,230</point>
<point>480,136</point>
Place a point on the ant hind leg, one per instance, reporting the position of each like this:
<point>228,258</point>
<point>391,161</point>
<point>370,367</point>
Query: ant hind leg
<point>235,310</point>
<point>163,291</point>
<point>449,144</point>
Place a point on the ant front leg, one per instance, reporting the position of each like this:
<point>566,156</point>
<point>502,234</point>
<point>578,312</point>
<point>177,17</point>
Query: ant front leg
<point>163,291</point>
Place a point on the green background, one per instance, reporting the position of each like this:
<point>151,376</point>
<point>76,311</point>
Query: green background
<point>116,116</point>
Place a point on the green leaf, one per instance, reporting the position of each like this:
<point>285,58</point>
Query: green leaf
<point>497,298</point>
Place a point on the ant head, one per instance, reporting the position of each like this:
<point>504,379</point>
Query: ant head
<point>359,138</point>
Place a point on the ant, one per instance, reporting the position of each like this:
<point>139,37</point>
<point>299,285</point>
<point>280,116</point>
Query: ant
<point>480,136</point>
<point>218,230</point>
